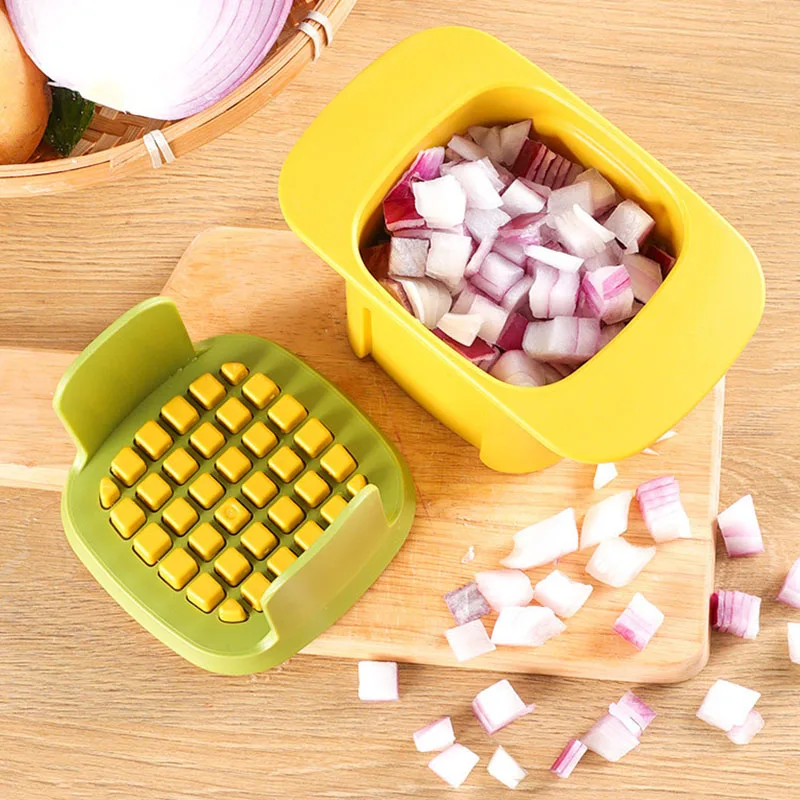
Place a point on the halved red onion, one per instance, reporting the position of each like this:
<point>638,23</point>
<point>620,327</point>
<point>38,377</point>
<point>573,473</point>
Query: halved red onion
<point>442,202</point>
<point>572,340</point>
<point>604,474</point>
<point>504,587</point>
<point>633,712</point>
<point>560,593</point>
<point>461,327</point>
<point>463,147</point>
<point>544,542</point>
<point>515,367</point>
<point>645,275</point>
<point>520,199</point>
<point>555,258</point>
<point>726,705</point>
<point>617,562</point>
<point>736,613</point>
<point>496,276</point>
<point>740,530</point>
<point>530,626</point>
<point>429,299</point>
<point>662,257</point>
<point>790,591</point>
<point>469,640</point>
<point>610,738</point>
<point>467,603</point>
<point>745,733</point>
<point>454,765</point>
<point>793,633</point>
<point>516,298</point>
<point>377,681</point>
<point>562,200</point>
<point>606,294</point>
<point>660,502</point>
<point>476,261</point>
<point>498,706</point>
<point>568,758</point>
<point>512,138</point>
<point>494,318</point>
<point>503,767</point>
<point>438,735</point>
<point>606,519</point>
<point>447,257</point>
<point>513,332</point>
<point>399,208</point>
<point>603,194</point>
<point>639,621</point>
<point>630,223</point>
<point>483,223</point>
<point>407,257</point>
<point>476,184</point>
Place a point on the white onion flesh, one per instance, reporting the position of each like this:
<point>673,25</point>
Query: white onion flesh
<point>726,705</point>
<point>447,257</point>
<point>603,475</point>
<point>568,758</point>
<point>606,519</point>
<point>645,275</point>
<point>660,502</point>
<point>561,594</point>
<point>503,767</point>
<point>377,681</point>
<point>633,712</point>
<point>544,542</point>
<point>442,202</point>
<point>520,199</point>
<point>476,184</point>
<point>740,530</point>
<point>630,224</point>
<point>461,327</point>
<point>530,626</point>
<point>639,621</point>
<point>454,765</point>
<point>617,562</point>
<point>610,738</point>
<point>407,257</point>
<point>745,733</point>
<point>504,587</point>
<point>498,706</point>
<point>469,641</point>
<point>437,736</point>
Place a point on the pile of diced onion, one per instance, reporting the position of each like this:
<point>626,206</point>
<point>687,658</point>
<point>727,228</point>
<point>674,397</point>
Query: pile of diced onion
<point>521,260</point>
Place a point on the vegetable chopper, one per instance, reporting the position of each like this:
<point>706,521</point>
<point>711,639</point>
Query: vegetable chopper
<point>230,499</point>
<point>417,95</point>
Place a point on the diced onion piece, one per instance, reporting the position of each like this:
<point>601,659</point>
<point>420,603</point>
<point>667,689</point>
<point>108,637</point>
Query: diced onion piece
<point>606,519</point>
<point>572,340</point>
<point>511,250</point>
<point>512,138</point>
<point>790,591</point>
<point>503,767</point>
<point>482,223</point>
<point>529,155</point>
<point>560,593</point>
<point>505,587</point>
<point>469,556</point>
<point>447,257</point>
<point>496,276</point>
<point>499,705</point>
<point>744,734</point>
<point>478,133</point>
<point>470,151</point>
<point>469,640</point>
<point>476,184</point>
<point>544,542</point>
<point>442,202</point>
<point>461,327</point>
<point>660,502</point>
<point>519,199</point>
<point>454,765</point>
<point>639,622</point>
<point>399,209</point>
<point>513,332</point>
<point>516,298</point>
<point>530,626</point>
<point>476,260</point>
<point>793,632</point>
<point>553,293</point>
<point>648,451</point>
<point>479,353</point>
<point>633,712</point>
<point>568,758</point>
<point>740,530</point>
<point>610,738</point>
<point>603,194</point>
<point>579,233</point>
<point>604,474</point>
<point>662,257</point>
<point>562,200</point>
<point>526,229</point>
<point>645,275</point>
<point>466,603</point>
<point>606,294</point>
<point>377,681</point>
<point>407,257</point>
<point>736,612</point>
<point>610,257</point>
<point>429,299</point>
<point>726,705</point>
<point>491,143</point>
<point>494,318</point>
<point>665,436</point>
<point>630,223</point>
<point>617,562</point>
<point>438,735</point>
<point>515,367</point>
<point>555,258</point>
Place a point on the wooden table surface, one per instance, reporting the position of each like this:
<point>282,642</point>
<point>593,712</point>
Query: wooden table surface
<point>92,707</point>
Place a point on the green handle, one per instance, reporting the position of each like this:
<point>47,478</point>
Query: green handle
<point>118,370</point>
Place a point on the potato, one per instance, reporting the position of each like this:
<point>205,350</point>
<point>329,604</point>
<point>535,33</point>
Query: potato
<point>24,98</point>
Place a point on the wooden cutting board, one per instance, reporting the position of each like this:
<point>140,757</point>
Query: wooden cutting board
<point>268,283</point>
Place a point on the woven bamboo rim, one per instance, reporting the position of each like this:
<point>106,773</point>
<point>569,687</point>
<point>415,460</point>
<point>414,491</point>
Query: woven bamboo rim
<point>113,146</point>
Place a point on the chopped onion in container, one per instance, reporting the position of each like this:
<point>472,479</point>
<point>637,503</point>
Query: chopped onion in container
<point>544,279</point>
<point>603,194</point>
<point>630,224</point>
<point>562,200</point>
<point>407,257</point>
<point>606,294</point>
<point>572,340</point>
<point>447,257</point>
<point>530,626</point>
<point>476,260</point>
<point>498,706</point>
<point>662,257</point>
<point>377,681</point>
<point>521,199</point>
<point>511,250</point>
<point>461,327</point>
<point>469,556</point>
<point>469,640</point>
<point>463,147</point>
<point>512,138</point>
<point>736,613</point>
<point>610,738</point>
<point>790,591</point>
<point>491,143</point>
<point>454,765</point>
<point>555,258</point>
<point>517,368</point>
<point>606,519</point>
<point>516,298</point>
<point>645,275</point>
<point>660,502</point>
<point>481,224</point>
<point>505,587</point>
<point>580,233</point>
<point>633,712</point>
<point>568,758</point>
<point>617,562</point>
<point>399,208</point>
<point>466,603</point>
<point>513,333</point>
<point>429,299</point>
<point>494,318</point>
<point>604,474</point>
<point>740,530</point>
<point>639,622</point>
<point>610,257</point>
<point>526,229</point>
<point>793,632</point>
<point>477,185</point>
<point>503,767</point>
<point>480,353</point>
<point>560,593</point>
<point>726,705</point>
<point>442,202</point>
<point>744,734</point>
<point>438,735</point>
<point>544,542</point>
<point>496,276</point>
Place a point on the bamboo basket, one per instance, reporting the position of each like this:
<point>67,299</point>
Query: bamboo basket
<point>113,146</point>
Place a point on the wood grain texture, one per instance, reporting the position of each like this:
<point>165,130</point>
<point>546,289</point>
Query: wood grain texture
<point>89,709</point>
